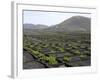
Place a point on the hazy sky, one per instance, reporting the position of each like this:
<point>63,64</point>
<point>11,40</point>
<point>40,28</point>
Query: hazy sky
<point>48,18</point>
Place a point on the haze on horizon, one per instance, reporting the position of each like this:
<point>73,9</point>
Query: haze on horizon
<point>48,18</point>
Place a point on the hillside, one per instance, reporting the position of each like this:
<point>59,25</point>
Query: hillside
<point>73,24</point>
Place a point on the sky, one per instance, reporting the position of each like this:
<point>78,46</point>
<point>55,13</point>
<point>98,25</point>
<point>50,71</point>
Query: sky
<point>48,18</point>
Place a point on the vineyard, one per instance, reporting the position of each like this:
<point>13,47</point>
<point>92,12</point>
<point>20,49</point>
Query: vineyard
<point>58,50</point>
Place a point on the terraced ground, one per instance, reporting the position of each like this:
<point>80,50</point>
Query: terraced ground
<point>59,50</point>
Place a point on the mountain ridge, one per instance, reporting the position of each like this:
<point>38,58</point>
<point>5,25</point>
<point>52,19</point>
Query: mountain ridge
<point>73,24</point>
